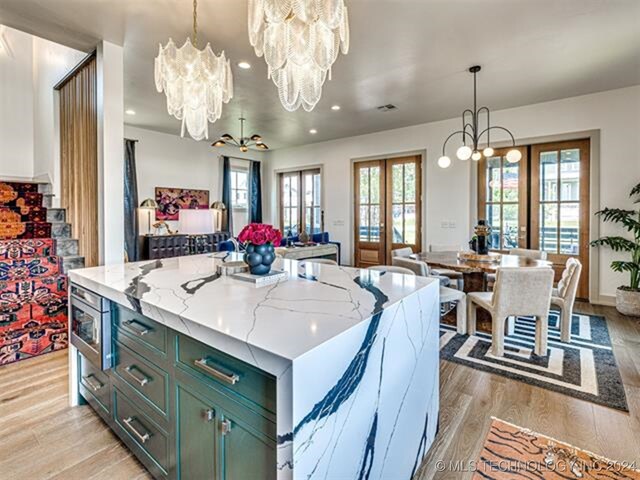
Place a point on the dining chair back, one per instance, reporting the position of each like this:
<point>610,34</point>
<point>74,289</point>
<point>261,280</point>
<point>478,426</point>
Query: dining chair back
<point>528,253</point>
<point>564,296</point>
<point>454,276</point>
<point>518,291</point>
<point>416,266</point>
<point>392,269</point>
<point>401,252</point>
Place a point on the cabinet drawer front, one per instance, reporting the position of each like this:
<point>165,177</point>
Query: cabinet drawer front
<point>146,379</point>
<point>231,374</point>
<point>146,434</point>
<point>144,330</point>
<point>93,382</point>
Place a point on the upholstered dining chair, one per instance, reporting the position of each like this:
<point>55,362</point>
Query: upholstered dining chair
<point>564,296</point>
<point>391,269</point>
<point>323,261</point>
<point>520,252</point>
<point>517,292</point>
<point>457,277</point>
<point>404,252</point>
<point>419,268</point>
<point>447,295</point>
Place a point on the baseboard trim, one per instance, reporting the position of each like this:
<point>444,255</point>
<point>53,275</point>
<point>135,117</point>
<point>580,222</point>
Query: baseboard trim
<point>606,300</point>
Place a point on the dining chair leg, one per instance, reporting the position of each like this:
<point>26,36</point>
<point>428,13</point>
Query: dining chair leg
<point>566,318</point>
<point>461,315</point>
<point>511,325</point>
<point>542,330</point>
<point>471,317</point>
<point>497,337</point>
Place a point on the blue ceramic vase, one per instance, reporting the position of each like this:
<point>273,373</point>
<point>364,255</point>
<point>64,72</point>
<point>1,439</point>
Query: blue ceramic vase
<point>259,258</point>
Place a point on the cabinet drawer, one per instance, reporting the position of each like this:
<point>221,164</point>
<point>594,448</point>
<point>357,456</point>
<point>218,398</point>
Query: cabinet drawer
<point>146,379</point>
<point>142,329</point>
<point>152,440</point>
<point>94,385</point>
<point>231,374</point>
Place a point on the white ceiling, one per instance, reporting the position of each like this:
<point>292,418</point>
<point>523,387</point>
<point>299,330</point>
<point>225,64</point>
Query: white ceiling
<point>412,53</point>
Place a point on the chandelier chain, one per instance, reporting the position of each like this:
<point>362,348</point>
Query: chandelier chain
<point>195,23</point>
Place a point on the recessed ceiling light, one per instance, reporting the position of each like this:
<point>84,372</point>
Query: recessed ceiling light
<point>335,108</point>
<point>244,65</point>
<point>313,131</point>
<point>130,112</point>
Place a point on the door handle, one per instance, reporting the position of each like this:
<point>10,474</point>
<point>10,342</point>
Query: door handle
<point>231,378</point>
<point>143,437</point>
<point>142,381</point>
<point>89,383</point>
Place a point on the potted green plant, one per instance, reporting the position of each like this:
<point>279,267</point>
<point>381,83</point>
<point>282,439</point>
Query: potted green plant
<point>627,297</point>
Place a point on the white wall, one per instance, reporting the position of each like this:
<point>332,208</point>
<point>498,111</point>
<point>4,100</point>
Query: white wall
<point>16,106</point>
<point>28,117</point>
<point>164,160</point>
<point>51,62</point>
<point>450,194</point>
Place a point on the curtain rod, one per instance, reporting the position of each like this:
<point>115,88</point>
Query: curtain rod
<point>131,139</point>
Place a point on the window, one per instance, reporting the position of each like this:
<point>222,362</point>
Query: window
<point>300,202</point>
<point>239,189</point>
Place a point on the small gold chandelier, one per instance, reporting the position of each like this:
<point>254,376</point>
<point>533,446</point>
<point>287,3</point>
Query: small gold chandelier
<point>243,143</point>
<point>196,82</point>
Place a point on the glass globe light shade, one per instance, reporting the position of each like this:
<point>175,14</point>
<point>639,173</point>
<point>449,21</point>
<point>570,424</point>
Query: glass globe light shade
<point>464,153</point>
<point>514,156</point>
<point>487,152</point>
<point>476,155</point>
<point>444,162</point>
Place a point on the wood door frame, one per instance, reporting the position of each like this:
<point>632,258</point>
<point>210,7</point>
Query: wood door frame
<point>523,185</point>
<point>389,245</point>
<point>584,145</point>
<point>381,163</point>
<point>419,157</point>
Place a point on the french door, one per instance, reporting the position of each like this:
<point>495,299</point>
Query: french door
<point>560,205</point>
<point>388,209</point>
<point>541,202</point>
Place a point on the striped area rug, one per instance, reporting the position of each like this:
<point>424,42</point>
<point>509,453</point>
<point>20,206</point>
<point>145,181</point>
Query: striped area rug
<point>511,452</point>
<point>586,368</point>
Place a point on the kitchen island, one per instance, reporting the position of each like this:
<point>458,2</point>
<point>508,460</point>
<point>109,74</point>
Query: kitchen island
<point>329,373</point>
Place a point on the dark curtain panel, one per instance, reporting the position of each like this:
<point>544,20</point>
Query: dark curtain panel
<point>255,209</point>
<point>226,195</point>
<point>130,201</point>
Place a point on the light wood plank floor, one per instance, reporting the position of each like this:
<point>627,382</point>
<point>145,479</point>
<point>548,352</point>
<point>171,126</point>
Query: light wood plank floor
<point>42,438</point>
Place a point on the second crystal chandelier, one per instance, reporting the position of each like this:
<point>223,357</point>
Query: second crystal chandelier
<point>300,41</point>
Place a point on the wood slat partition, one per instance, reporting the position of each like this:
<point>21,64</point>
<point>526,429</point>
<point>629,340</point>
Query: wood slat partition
<point>79,157</point>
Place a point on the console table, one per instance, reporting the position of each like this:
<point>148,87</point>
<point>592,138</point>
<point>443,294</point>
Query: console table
<point>178,245</point>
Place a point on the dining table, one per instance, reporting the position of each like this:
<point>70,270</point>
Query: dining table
<point>475,272</point>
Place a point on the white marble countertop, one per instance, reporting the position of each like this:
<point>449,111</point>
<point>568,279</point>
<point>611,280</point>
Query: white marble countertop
<point>288,319</point>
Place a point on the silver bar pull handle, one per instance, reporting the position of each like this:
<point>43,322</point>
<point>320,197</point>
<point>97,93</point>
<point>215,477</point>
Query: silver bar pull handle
<point>139,329</point>
<point>142,381</point>
<point>230,378</point>
<point>90,382</point>
<point>142,437</point>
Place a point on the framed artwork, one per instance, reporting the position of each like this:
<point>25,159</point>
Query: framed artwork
<point>171,200</point>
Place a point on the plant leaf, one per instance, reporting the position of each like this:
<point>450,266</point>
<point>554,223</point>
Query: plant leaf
<point>621,266</point>
<point>636,191</point>
<point>618,215</point>
<point>617,244</point>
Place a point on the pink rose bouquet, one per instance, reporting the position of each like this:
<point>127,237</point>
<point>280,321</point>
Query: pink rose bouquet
<point>260,234</point>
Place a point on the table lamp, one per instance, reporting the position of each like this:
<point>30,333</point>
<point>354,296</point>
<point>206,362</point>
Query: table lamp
<point>149,205</point>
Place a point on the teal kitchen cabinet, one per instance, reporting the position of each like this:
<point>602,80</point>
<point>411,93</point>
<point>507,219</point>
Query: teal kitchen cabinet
<point>220,438</point>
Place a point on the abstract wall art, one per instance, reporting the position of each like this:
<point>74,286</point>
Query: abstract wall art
<point>171,200</point>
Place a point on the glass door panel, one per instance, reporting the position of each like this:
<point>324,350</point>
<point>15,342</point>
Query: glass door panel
<point>369,224</point>
<point>403,187</point>
<point>503,200</point>
<point>560,204</point>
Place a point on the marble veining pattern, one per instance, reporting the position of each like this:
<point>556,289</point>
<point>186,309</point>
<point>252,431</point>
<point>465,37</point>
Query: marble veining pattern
<point>354,352</point>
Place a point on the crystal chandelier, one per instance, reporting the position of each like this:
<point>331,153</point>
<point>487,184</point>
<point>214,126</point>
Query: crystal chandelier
<point>243,143</point>
<point>196,82</point>
<point>471,131</point>
<point>300,41</point>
